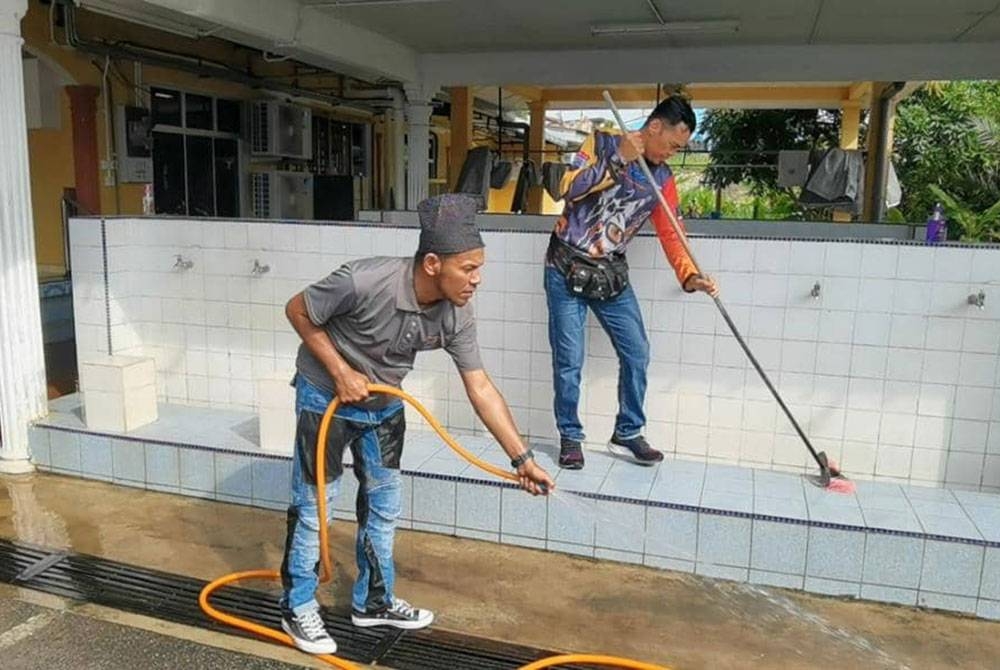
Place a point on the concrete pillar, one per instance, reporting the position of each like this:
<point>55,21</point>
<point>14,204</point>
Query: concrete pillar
<point>418,138</point>
<point>536,145</point>
<point>850,123</point>
<point>397,141</point>
<point>461,131</point>
<point>83,106</point>
<point>22,364</point>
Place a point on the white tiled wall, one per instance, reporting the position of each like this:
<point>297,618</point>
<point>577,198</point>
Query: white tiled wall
<point>890,370</point>
<point>214,328</point>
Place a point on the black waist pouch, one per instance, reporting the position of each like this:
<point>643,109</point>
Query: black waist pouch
<point>587,277</point>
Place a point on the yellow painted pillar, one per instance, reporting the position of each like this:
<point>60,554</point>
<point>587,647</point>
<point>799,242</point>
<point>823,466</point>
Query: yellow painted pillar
<point>850,123</point>
<point>461,131</point>
<point>876,121</point>
<point>536,145</point>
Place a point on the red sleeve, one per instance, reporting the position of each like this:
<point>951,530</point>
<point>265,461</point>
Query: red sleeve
<point>679,259</point>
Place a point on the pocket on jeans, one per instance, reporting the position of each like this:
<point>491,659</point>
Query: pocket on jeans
<point>390,434</point>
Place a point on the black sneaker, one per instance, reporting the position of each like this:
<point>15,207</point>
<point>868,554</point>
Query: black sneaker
<point>636,450</point>
<point>570,455</point>
<point>400,615</point>
<point>308,632</point>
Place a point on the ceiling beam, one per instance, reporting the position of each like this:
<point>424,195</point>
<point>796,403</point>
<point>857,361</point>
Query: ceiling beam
<point>788,96</point>
<point>306,34</point>
<point>528,93</point>
<point>784,97</point>
<point>817,63</point>
<point>645,95</point>
<point>859,90</point>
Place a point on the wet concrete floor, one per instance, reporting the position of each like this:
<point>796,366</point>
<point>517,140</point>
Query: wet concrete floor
<point>508,593</point>
<point>58,634</point>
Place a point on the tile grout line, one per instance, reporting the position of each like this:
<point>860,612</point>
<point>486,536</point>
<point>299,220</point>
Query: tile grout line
<point>107,294</point>
<point>982,575</point>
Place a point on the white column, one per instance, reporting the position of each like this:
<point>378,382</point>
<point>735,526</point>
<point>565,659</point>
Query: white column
<point>22,364</point>
<point>397,134</point>
<point>418,130</point>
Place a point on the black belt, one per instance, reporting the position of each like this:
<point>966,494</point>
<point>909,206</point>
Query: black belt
<point>562,255</point>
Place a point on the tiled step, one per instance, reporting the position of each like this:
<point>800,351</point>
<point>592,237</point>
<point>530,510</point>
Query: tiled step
<point>888,542</point>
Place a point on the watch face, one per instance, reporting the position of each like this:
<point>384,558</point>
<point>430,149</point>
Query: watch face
<point>522,459</point>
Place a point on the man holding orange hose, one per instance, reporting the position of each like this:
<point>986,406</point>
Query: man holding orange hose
<point>362,324</point>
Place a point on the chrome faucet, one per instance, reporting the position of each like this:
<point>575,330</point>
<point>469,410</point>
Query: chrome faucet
<point>978,299</point>
<point>259,269</point>
<point>182,264</point>
<point>815,291</point>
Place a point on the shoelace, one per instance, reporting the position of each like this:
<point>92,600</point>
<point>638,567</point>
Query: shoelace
<point>312,625</point>
<point>404,608</point>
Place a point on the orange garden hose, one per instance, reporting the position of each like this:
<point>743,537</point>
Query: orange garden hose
<point>324,551</point>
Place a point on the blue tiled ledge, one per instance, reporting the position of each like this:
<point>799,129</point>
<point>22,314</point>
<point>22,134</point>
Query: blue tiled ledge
<point>590,516</point>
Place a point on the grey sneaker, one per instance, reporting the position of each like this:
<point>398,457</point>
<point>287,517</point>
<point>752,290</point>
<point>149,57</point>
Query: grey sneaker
<point>636,450</point>
<point>400,615</point>
<point>308,632</point>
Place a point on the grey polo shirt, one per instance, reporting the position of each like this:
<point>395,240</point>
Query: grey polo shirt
<point>369,309</point>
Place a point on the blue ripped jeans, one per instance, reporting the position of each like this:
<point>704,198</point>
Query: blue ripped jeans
<point>375,438</point>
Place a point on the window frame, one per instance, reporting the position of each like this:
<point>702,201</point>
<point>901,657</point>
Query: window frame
<point>213,134</point>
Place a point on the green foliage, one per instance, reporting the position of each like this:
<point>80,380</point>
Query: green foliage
<point>948,136</point>
<point>743,143</point>
<point>743,158</point>
<point>893,215</point>
<point>973,226</point>
<point>781,205</point>
<point>699,202</point>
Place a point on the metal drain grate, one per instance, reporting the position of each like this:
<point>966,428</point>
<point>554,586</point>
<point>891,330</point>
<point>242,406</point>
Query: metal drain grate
<point>175,598</point>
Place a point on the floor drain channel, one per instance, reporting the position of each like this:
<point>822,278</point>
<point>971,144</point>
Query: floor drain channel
<point>174,598</point>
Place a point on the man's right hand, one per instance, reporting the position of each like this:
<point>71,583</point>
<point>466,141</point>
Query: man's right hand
<point>534,479</point>
<point>631,146</point>
<point>703,283</point>
<point>352,386</point>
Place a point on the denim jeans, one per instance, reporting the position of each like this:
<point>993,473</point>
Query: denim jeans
<point>622,321</point>
<point>376,454</point>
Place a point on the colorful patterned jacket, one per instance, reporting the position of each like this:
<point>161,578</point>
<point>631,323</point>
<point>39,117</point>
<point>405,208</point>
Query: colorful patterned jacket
<point>608,201</point>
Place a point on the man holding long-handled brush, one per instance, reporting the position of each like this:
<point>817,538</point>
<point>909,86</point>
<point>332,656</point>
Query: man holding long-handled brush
<point>830,477</point>
<point>608,199</point>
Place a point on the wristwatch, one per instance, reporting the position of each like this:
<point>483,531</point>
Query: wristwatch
<point>522,459</point>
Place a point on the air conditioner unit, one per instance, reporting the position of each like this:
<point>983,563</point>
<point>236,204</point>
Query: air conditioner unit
<point>134,144</point>
<point>282,195</point>
<point>280,130</point>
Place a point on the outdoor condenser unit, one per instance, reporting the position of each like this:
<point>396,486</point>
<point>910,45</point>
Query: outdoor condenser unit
<point>280,130</point>
<point>282,195</point>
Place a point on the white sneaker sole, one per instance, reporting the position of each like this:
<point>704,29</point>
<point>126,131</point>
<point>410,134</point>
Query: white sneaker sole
<point>307,646</point>
<point>394,623</point>
<point>626,453</point>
